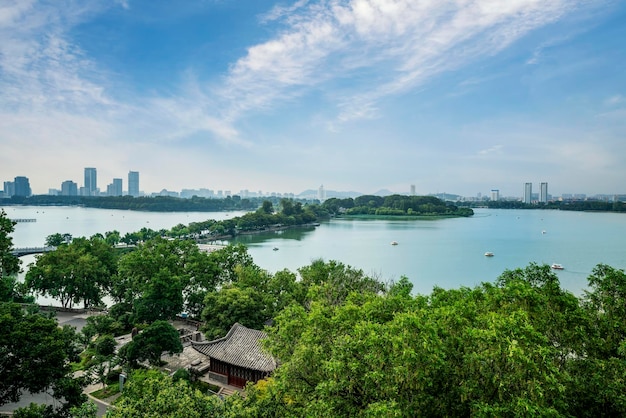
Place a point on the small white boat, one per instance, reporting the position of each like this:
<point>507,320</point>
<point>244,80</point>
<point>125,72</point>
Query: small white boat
<point>557,266</point>
<point>543,232</point>
<point>275,248</point>
<point>394,242</point>
<point>488,254</point>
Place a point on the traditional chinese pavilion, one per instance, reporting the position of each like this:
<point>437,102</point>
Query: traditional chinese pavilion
<point>237,358</point>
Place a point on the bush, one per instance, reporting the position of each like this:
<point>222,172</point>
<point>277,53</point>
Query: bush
<point>105,345</point>
<point>181,374</point>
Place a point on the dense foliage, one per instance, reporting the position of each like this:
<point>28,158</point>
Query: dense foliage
<point>151,343</point>
<point>10,289</point>
<point>395,205</point>
<point>151,204</point>
<point>151,394</point>
<point>81,271</point>
<point>350,346</point>
<point>34,356</point>
<point>347,344</point>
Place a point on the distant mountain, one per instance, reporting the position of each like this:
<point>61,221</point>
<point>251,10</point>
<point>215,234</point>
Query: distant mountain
<point>383,193</point>
<point>312,194</point>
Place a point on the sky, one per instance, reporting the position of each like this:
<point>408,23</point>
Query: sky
<point>454,96</point>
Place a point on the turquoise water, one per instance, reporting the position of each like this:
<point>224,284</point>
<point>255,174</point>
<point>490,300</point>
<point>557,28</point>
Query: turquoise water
<point>450,252</point>
<point>446,252</point>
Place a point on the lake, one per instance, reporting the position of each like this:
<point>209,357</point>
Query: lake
<point>448,253</point>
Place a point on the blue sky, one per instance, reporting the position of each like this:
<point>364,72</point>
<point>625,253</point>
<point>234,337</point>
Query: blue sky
<point>452,96</point>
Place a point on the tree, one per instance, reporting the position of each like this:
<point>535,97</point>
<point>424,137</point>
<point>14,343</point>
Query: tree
<point>267,207</point>
<point>87,410</point>
<point>9,264</point>
<point>34,356</point>
<point>606,303</point>
<point>112,237</point>
<point>333,281</point>
<point>105,351</point>
<point>162,298</point>
<point>516,348</point>
<point>162,277</point>
<point>150,344</point>
<point>79,271</point>
<point>151,394</point>
<point>10,289</point>
<point>226,261</point>
<point>230,305</point>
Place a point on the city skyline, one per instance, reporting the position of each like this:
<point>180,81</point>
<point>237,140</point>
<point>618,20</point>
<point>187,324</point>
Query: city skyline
<point>359,95</point>
<point>21,187</point>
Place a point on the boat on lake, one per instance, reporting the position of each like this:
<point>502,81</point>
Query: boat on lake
<point>556,266</point>
<point>394,242</point>
<point>488,254</point>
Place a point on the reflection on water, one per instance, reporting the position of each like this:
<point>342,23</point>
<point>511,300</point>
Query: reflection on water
<point>297,234</point>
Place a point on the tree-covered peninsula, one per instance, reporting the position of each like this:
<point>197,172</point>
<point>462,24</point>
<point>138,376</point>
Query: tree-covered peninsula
<point>395,206</point>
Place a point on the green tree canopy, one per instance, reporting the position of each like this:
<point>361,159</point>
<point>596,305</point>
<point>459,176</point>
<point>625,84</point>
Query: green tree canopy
<point>151,394</point>
<point>162,277</point>
<point>151,343</point>
<point>79,271</point>
<point>9,264</point>
<point>34,356</point>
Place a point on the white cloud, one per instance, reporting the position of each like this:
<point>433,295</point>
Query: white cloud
<point>400,44</point>
<point>279,11</point>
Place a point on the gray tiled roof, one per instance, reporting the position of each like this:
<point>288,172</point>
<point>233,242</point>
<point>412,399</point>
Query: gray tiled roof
<point>240,347</point>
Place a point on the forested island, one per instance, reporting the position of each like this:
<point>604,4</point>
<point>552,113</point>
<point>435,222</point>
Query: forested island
<point>395,206</point>
<point>347,344</point>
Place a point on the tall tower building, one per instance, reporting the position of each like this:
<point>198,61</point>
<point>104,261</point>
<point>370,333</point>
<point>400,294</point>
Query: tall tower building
<point>91,182</point>
<point>22,186</point>
<point>412,190</point>
<point>528,193</point>
<point>543,193</point>
<point>495,195</point>
<point>321,193</point>
<point>9,188</point>
<point>69,188</point>
<point>115,188</point>
<point>133,183</point>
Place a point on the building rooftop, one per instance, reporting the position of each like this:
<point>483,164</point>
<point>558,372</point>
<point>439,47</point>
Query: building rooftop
<point>240,347</point>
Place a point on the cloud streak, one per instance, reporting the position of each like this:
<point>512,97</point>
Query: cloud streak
<point>402,44</point>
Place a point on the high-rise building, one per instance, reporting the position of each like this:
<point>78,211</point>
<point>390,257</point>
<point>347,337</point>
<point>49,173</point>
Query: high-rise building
<point>9,188</point>
<point>321,194</point>
<point>495,195</point>
<point>528,193</point>
<point>91,182</point>
<point>543,193</point>
<point>22,186</point>
<point>412,190</point>
<point>115,188</point>
<point>133,183</point>
<point>69,188</point>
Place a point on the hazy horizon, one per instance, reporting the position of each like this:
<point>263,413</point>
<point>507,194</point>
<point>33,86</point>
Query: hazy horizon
<point>282,96</point>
